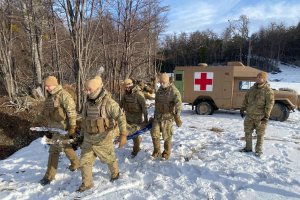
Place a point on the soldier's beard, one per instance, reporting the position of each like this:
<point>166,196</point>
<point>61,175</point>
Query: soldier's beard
<point>129,91</point>
<point>164,85</point>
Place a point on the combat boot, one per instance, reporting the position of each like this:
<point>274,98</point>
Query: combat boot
<point>136,146</point>
<point>112,179</point>
<point>72,168</point>
<point>83,188</point>
<point>246,150</point>
<point>258,154</point>
<point>156,152</point>
<point>167,150</point>
<point>45,181</point>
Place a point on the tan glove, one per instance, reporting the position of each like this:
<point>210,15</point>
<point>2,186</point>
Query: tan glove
<point>122,140</point>
<point>178,120</point>
<point>71,131</point>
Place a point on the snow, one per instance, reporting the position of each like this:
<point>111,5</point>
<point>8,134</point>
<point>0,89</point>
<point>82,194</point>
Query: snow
<point>204,164</point>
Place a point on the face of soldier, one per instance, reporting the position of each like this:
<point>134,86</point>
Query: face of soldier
<point>259,79</point>
<point>164,84</point>
<point>129,88</point>
<point>49,88</point>
<point>89,90</point>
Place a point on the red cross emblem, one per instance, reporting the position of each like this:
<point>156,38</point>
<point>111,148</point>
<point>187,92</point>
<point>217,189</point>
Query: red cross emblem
<point>203,81</point>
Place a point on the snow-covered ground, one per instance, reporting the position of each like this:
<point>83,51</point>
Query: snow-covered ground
<point>205,163</point>
<point>288,78</point>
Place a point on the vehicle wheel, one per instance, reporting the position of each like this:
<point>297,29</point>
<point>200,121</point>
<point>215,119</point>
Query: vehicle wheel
<point>279,112</point>
<point>204,108</point>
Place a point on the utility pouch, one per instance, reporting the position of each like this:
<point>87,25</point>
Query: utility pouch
<point>101,125</point>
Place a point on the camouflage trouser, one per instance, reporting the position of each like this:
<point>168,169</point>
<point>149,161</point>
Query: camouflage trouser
<point>164,127</point>
<point>104,151</point>
<point>54,155</point>
<point>249,125</point>
<point>132,128</point>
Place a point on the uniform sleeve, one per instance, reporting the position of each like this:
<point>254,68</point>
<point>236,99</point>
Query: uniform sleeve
<point>177,101</point>
<point>117,114</point>
<point>245,101</point>
<point>142,102</point>
<point>269,102</point>
<point>69,106</point>
<point>122,102</point>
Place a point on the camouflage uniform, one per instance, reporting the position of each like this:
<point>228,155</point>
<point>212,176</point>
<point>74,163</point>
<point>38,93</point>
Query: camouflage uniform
<point>100,119</point>
<point>258,104</point>
<point>167,104</point>
<point>60,112</point>
<point>134,104</point>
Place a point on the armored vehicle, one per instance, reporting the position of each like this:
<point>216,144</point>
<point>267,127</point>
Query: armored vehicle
<point>209,88</point>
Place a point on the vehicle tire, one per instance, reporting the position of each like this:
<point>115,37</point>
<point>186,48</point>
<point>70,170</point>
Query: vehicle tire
<point>204,108</point>
<point>280,112</point>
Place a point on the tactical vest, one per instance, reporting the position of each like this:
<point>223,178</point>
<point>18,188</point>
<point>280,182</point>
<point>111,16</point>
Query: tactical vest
<point>53,108</point>
<point>131,103</point>
<point>163,101</point>
<point>96,119</point>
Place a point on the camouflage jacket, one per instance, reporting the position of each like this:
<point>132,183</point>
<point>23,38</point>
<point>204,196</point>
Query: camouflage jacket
<point>259,101</point>
<point>108,109</point>
<point>60,109</point>
<point>134,105</point>
<point>167,103</point>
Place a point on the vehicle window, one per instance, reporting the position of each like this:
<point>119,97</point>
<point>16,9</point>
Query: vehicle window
<point>246,85</point>
<point>178,77</point>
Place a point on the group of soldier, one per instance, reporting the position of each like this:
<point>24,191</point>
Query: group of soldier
<point>103,119</point>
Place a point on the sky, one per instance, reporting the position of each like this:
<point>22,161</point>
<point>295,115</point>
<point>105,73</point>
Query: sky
<point>200,15</point>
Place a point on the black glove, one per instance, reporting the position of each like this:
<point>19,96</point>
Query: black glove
<point>80,139</point>
<point>75,146</point>
<point>48,134</point>
<point>77,142</point>
<point>242,113</point>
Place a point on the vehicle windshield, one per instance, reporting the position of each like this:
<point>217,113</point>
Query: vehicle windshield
<point>246,85</point>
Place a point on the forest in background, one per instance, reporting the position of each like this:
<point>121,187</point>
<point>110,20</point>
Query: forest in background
<point>77,39</point>
<point>263,49</point>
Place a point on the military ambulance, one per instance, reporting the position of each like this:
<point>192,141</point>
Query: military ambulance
<point>209,88</point>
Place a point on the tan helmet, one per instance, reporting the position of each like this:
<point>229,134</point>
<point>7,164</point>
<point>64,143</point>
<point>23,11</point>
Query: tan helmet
<point>165,78</point>
<point>264,75</point>
<point>51,81</point>
<point>128,82</point>
<point>94,84</point>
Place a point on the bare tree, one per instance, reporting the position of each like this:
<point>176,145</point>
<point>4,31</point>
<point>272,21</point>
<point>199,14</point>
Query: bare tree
<point>81,21</point>
<point>239,29</point>
<point>34,21</point>
<point>6,45</point>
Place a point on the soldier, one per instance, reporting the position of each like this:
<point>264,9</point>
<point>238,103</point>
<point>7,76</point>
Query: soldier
<point>101,115</point>
<point>257,106</point>
<point>167,108</point>
<point>134,104</point>
<point>60,112</point>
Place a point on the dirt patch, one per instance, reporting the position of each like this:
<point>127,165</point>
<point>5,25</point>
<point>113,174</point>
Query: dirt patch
<point>14,127</point>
